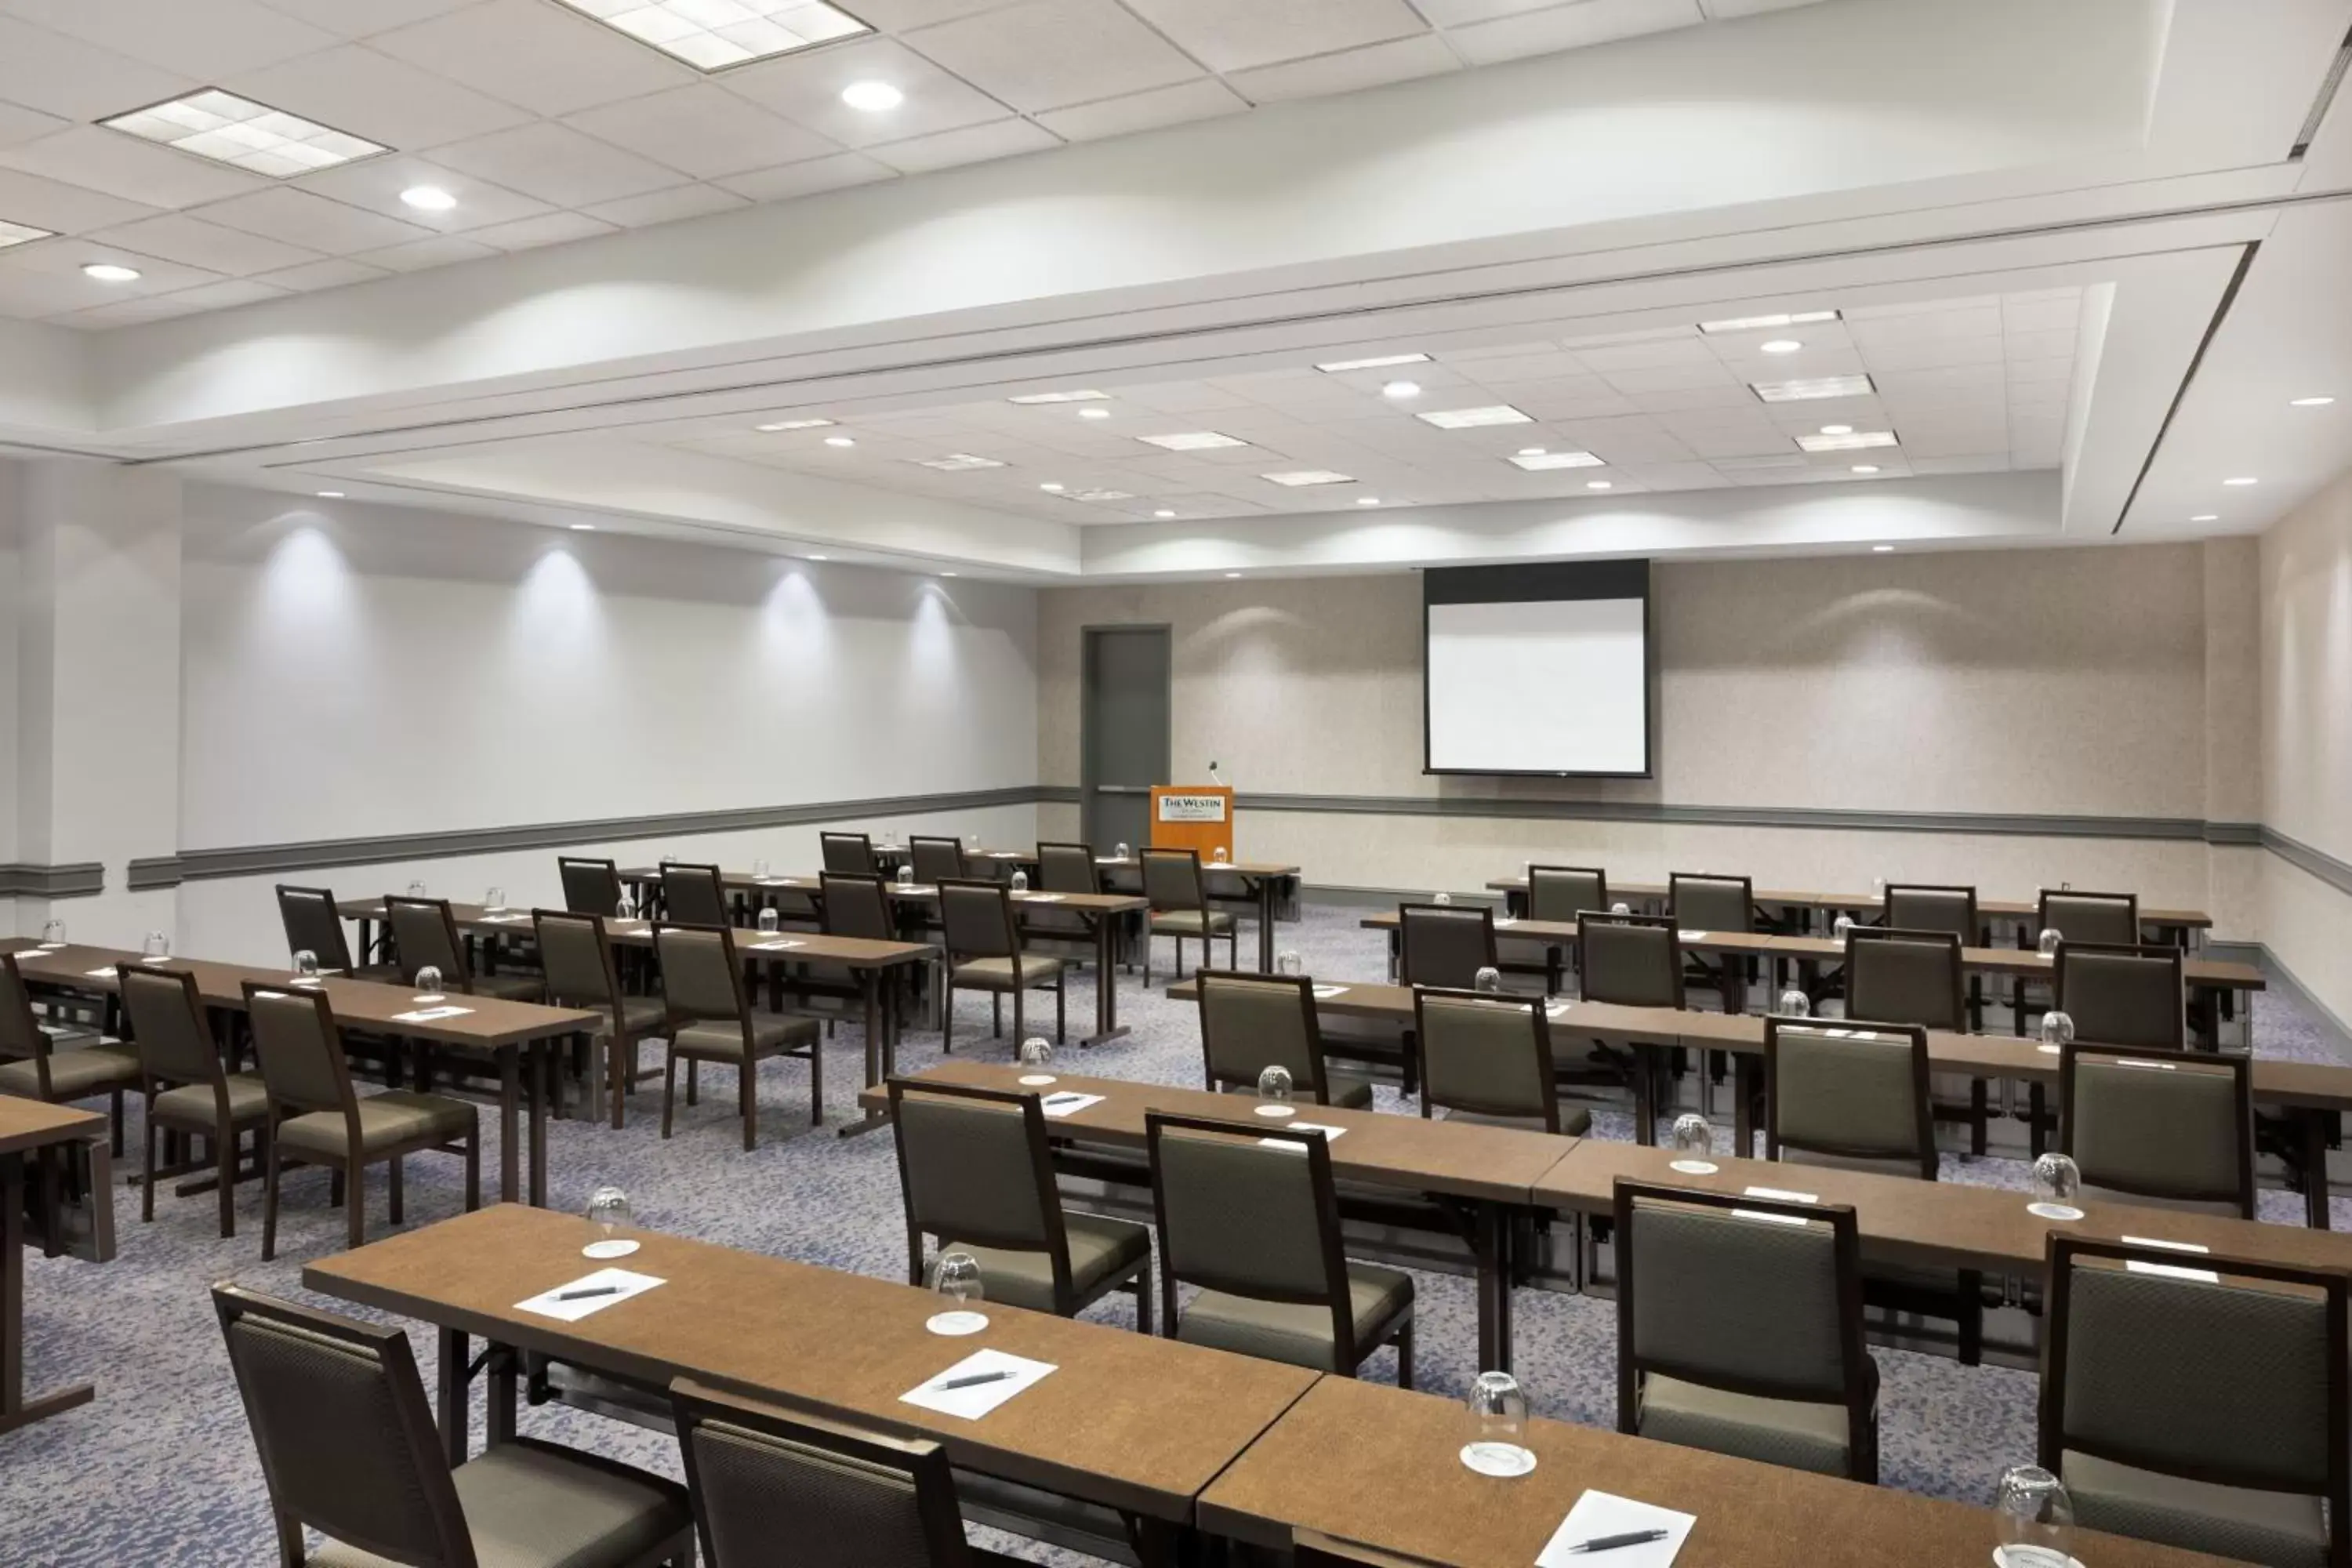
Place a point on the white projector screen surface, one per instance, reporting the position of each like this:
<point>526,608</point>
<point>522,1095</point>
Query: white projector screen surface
<point>1540,686</point>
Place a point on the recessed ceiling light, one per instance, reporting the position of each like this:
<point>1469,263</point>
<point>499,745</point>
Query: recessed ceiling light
<point>2243,481</point>
<point>1083,395</point>
<point>1837,429</point>
<point>1881,548</point>
<point>1163,513</point>
<point>1538,461</point>
<point>1598,485</point>
<point>21,234</point>
<point>1051,488</point>
<point>1368,501</point>
<point>1852,441</point>
<point>2207,516</point>
<point>712,34</point>
<point>109,272</point>
<point>1094,412</point>
<point>771,429</point>
<point>946,573</point>
<point>1296,477</point>
<point>841,440</point>
<point>1812,387</point>
<point>1191,441</point>
<point>1760,323</point>
<point>331,495</point>
<point>1471,418</point>
<point>1232,574</point>
<point>584,528</point>
<point>2309,402</point>
<point>1781,346</point>
<point>1401,390</point>
<point>243,134</point>
<point>814,557</point>
<point>1865,468</point>
<point>959,462</point>
<point>428,198</point>
<point>873,97</point>
<point>1378,361</point>
<point>1102,495</point>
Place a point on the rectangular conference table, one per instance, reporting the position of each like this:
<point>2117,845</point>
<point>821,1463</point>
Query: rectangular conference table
<point>2173,926</point>
<point>29,1130</point>
<point>1482,1175</point>
<point>1127,1421</point>
<point>1378,1467</point>
<point>517,1035</point>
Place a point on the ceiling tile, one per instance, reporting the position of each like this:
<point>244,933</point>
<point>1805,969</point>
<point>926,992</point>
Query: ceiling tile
<point>555,228</point>
<point>129,313</point>
<point>118,165</point>
<point>702,130</point>
<point>1349,71</point>
<point>63,76</point>
<point>1050,54</point>
<point>807,179</point>
<point>903,16</point>
<point>209,40</point>
<point>1200,99</point>
<point>376,183</point>
<point>439,250</point>
<point>1004,139</point>
<point>1575,26</point>
<point>19,125</point>
<point>806,90</point>
<point>1726,10</point>
<point>196,243</point>
<point>1462,13</point>
<point>301,217</point>
<point>329,274</point>
<point>34,294</point>
<point>63,208</point>
<point>372,95</point>
<point>546,57</point>
<point>225,295</point>
<point>1236,34</point>
<point>359,18</point>
<point>558,164</point>
<point>667,207</point>
<point>157,276</point>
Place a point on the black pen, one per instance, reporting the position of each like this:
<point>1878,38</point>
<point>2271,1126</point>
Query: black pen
<point>1610,1543</point>
<point>975,1381</point>
<point>592,1290</point>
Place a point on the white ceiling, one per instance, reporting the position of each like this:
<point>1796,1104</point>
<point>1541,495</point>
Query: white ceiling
<point>550,128</point>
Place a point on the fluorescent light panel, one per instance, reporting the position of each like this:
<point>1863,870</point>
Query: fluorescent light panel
<point>1084,394</point>
<point>712,34</point>
<point>959,462</point>
<point>1538,461</point>
<point>1852,441</point>
<point>243,134</point>
<point>21,234</point>
<point>1300,476</point>
<point>1102,495</point>
<point>1806,389</point>
<point>1472,418</point>
<point>1192,441</point>
<point>1760,323</point>
<point>1379,361</point>
<point>792,424</point>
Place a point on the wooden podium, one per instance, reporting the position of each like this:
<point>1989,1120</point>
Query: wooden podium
<point>1194,816</point>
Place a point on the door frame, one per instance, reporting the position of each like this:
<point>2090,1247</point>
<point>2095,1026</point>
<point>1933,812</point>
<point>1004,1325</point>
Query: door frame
<point>1088,787</point>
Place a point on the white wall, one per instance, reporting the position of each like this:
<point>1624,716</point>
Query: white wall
<point>354,671</point>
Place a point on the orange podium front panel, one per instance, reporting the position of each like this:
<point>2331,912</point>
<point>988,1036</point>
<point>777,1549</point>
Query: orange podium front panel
<point>1193,817</point>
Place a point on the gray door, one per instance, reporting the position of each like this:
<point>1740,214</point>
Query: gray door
<point>1123,737</point>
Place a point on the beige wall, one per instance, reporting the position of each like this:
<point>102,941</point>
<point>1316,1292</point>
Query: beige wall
<point>2115,683</point>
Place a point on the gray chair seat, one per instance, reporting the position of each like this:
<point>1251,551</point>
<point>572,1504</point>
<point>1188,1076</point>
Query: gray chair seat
<point>2285,1529</point>
<point>639,1016</point>
<point>996,973</point>
<point>1797,1434</point>
<point>510,988</point>
<point>1100,1250</point>
<point>387,1121</point>
<point>75,1074</point>
<point>724,1042</point>
<point>1190,922</point>
<point>1297,1332</point>
<point>1575,1121</point>
<point>192,1105</point>
<point>529,1505</point>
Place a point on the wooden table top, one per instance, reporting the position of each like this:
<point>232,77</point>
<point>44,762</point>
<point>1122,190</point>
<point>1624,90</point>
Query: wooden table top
<point>488,1023</point>
<point>926,894</point>
<point>1998,908</point>
<point>34,1123</point>
<point>1370,1463</point>
<point>1110,862</point>
<point>1493,1163</point>
<point>1129,1420</point>
<point>858,951</point>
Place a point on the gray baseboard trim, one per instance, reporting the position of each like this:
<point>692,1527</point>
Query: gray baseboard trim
<point>75,880</point>
<point>2337,874</point>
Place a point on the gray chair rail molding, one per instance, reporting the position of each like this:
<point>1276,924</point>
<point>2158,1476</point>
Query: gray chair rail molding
<point>25,880</point>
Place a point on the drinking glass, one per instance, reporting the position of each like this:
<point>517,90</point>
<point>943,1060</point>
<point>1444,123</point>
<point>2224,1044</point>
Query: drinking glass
<point>759,870</point>
<point>1497,1426</point>
<point>1121,852</point>
<point>2057,1179</point>
<point>2057,1028</point>
<point>1794,1004</point>
<point>1845,924</point>
<point>1020,881</point>
<point>626,909</point>
<point>956,1280</point>
<point>1036,1054</point>
<point>1440,898</point>
<point>1289,963</point>
<point>1621,908</point>
<point>2034,1519</point>
<point>1221,857</point>
<point>415,889</point>
<point>906,874</point>
<point>1488,978</point>
<point>768,919</point>
<point>608,1211</point>
<point>428,984</point>
<point>2048,944</point>
<point>306,965</point>
<point>158,945</point>
<point>890,838</point>
<point>495,900</point>
<point>53,934</point>
<point>1274,1092</point>
<point>972,843</point>
<point>1694,1142</point>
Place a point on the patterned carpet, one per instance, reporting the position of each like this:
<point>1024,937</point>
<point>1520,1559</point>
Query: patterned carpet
<point>160,1471</point>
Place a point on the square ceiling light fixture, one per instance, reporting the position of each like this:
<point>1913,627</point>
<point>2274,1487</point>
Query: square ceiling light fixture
<point>712,34</point>
<point>1298,477</point>
<point>1536,462</point>
<point>1805,390</point>
<point>959,462</point>
<point>1083,395</point>
<point>1192,441</point>
<point>1762,323</point>
<point>21,234</point>
<point>243,134</point>
<point>1379,361</point>
<point>1472,418</point>
<point>1852,441</point>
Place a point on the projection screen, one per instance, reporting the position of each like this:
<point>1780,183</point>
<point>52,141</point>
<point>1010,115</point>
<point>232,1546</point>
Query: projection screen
<point>1537,670</point>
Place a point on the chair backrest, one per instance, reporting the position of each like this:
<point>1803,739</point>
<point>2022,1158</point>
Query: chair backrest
<point>2111,919</point>
<point>1444,944</point>
<point>425,934</point>
<point>1171,880</point>
<point>936,859</point>
<point>693,894</point>
<point>1703,901</point>
<point>1932,906</point>
<point>1905,977</point>
<point>347,1444</point>
<point>975,1168</point>
<point>1631,960</point>
<point>1563,892</point>
<point>589,887</point>
<point>851,853</point>
<point>300,1050</point>
<point>1068,868</point>
<point>1252,1022</point>
<point>1240,1215</point>
<point>166,1019</point>
<point>577,955</point>
<point>2173,1127</point>
<point>855,905</point>
<point>312,926</point>
<point>2239,1381</point>
<point>1853,1097</point>
<point>2123,995</point>
<point>1769,1306</point>
<point>843,1496</point>
<point>1485,1054</point>
<point>701,976</point>
<point>976,919</point>
<point>20,1026</point>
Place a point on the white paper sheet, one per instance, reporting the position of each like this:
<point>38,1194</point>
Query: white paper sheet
<point>783,944</point>
<point>1039,897</point>
<point>1329,1133</point>
<point>1598,1514</point>
<point>1325,992</point>
<point>430,1015</point>
<point>1688,936</point>
<point>972,1403</point>
<point>2168,1246</point>
<point>627,1283</point>
<point>505,920</point>
<point>1504,922</point>
<point>1068,1103</point>
<point>1780,1194</point>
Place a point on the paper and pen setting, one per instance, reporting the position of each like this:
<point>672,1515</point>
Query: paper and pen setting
<point>1067,1102</point>
<point>1602,1517</point>
<point>590,1293</point>
<point>978,1384</point>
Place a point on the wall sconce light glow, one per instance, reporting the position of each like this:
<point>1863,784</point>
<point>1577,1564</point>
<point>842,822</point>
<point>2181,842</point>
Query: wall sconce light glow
<point>331,495</point>
<point>841,440</point>
<point>2207,516</point>
<point>2242,481</point>
<point>872,96</point>
<point>1865,468</point>
<point>584,528</point>
<point>109,272</point>
<point>1368,501</point>
<point>1881,548</point>
<point>1050,488</point>
<point>948,573</point>
<point>1402,390</point>
<point>1094,412</point>
<point>1163,513</point>
<point>2309,402</point>
<point>428,198</point>
<point>1232,574</point>
<point>1781,346</point>
<point>812,557</point>
<point>1598,485</point>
